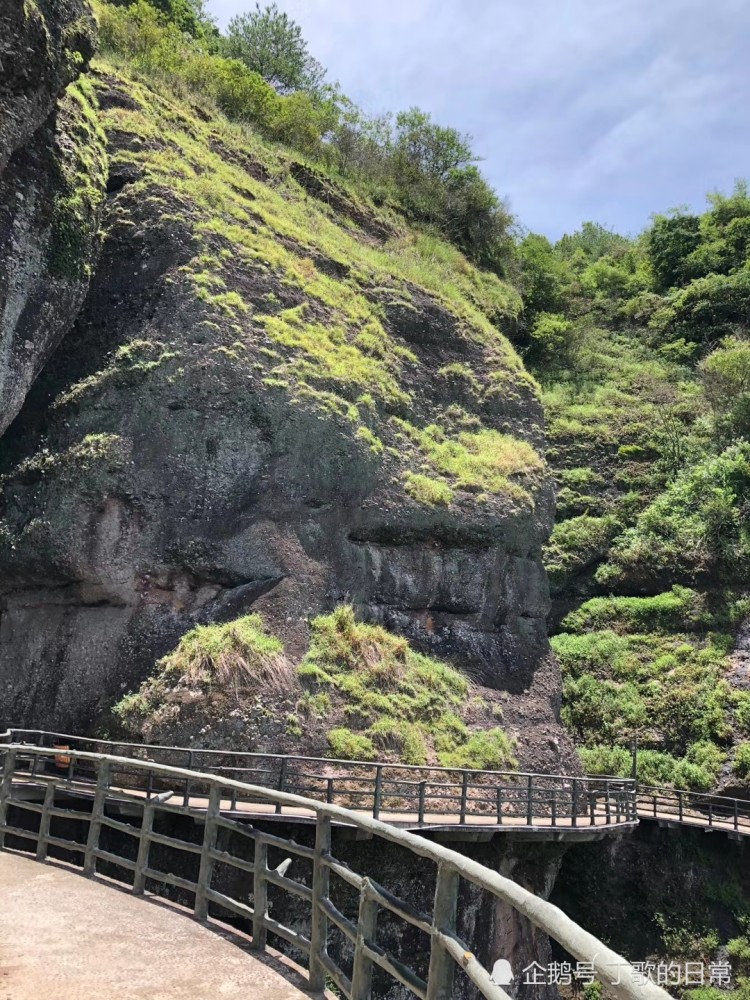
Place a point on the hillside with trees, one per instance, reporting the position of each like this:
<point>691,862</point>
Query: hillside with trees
<point>642,350</point>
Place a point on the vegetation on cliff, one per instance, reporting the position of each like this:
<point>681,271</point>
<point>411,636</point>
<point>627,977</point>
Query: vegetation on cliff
<point>359,693</point>
<point>642,349</point>
<point>261,74</point>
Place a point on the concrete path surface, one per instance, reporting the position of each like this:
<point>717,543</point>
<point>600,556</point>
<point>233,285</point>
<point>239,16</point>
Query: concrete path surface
<point>65,937</point>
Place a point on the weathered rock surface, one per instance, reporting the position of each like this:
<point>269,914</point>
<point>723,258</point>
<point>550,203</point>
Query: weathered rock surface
<point>43,45</point>
<point>51,186</point>
<point>237,421</point>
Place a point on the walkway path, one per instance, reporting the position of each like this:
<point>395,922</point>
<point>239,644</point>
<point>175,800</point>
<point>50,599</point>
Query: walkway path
<point>71,938</point>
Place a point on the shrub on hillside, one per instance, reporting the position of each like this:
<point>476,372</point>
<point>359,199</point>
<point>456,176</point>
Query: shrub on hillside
<point>397,700</point>
<point>699,525</point>
<point>707,308</point>
<point>725,374</point>
<point>697,771</point>
<point>676,610</point>
<point>157,47</point>
<point>741,762</point>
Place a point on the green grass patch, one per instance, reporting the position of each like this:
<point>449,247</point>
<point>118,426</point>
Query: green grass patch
<point>403,704</point>
<point>236,657</point>
<point>428,491</point>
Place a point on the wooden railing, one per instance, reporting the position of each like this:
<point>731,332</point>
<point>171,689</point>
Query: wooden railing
<point>694,808</point>
<point>38,826</point>
<point>407,794</point>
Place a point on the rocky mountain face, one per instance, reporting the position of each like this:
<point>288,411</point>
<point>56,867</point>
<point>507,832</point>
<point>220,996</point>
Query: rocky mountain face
<point>259,393</point>
<point>51,186</point>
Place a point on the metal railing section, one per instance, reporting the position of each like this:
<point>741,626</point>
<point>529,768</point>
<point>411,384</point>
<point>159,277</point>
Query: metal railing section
<point>447,952</point>
<point>694,808</point>
<point>407,794</point>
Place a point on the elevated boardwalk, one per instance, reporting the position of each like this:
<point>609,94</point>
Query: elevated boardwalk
<point>447,804</point>
<point>332,920</point>
<point>71,938</point>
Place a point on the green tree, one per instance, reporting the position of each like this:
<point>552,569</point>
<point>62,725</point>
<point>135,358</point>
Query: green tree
<point>270,43</point>
<point>426,149</point>
<point>670,241</point>
<point>726,379</point>
<point>594,240</point>
<point>362,144</point>
<point>706,309</point>
<point>476,220</point>
<point>552,336</point>
<point>544,277</point>
<point>187,15</point>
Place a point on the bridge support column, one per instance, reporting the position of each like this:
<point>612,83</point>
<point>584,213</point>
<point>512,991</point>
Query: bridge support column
<point>366,929</point>
<point>207,862</point>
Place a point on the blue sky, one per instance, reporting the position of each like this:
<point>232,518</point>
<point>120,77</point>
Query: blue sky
<point>580,109</point>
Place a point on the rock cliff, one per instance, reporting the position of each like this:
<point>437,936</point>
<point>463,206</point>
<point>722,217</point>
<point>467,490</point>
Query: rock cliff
<point>52,176</point>
<point>275,397</point>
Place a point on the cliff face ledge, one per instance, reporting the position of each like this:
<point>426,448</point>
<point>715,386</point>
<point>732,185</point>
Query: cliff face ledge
<point>263,405</point>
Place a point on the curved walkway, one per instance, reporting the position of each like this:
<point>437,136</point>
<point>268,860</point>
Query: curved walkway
<point>71,938</point>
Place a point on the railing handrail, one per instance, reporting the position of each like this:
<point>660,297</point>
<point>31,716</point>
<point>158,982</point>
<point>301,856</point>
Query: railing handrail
<point>684,798</point>
<point>544,915</point>
<point>317,760</point>
<point>667,792</point>
<point>422,791</point>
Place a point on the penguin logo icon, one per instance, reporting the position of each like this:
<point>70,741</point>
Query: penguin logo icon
<point>502,974</point>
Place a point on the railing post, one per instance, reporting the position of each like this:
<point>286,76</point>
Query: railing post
<point>442,966</point>
<point>464,793</point>
<point>321,878</point>
<point>207,862</point>
<point>260,894</point>
<point>5,790</point>
<point>574,803</point>
<point>186,796</point>
<point>654,798</point>
<point>592,808</point>
<point>554,807</point>
<point>422,790</point>
<point>95,823</point>
<point>329,791</point>
<point>42,841</point>
<point>499,794</point>
<point>607,804</point>
<point>282,779</point>
<point>530,800</point>
<point>710,813</point>
<point>736,816</point>
<point>144,844</point>
<point>376,802</point>
<point>366,930</point>
<point>679,805</point>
